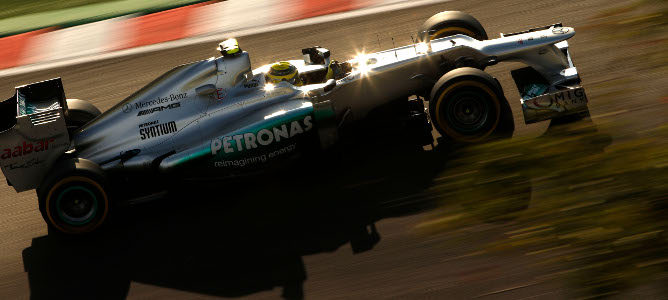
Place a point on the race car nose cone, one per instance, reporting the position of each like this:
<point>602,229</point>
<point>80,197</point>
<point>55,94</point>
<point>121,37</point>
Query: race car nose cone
<point>561,30</point>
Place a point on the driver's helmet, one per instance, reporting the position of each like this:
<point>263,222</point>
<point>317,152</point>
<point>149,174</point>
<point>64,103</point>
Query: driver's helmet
<point>283,71</point>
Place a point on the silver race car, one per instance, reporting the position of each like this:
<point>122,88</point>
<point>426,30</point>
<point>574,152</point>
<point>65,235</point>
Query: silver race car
<point>219,118</point>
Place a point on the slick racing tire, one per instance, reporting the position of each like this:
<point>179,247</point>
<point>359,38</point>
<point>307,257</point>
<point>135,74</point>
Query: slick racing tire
<point>73,198</point>
<point>467,105</point>
<point>449,23</point>
<point>79,113</point>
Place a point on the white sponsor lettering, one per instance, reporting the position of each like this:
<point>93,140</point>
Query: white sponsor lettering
<point>295,128</point>
<point>216,144</point>
<point>227,144</point>
<point>263,137</point>
<point>307,123</point>
<point>255,159</point>
<point>249,138</point>
<point>237,139</point>
<point>281,132</point>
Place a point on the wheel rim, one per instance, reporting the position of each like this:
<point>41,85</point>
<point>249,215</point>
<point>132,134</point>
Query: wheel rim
<point>75,220</point>
<point>467,111</point>
<point>473,126</point>
<point>77,205</point>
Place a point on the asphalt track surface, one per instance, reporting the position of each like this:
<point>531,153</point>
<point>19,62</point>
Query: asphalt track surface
<point>291,235</point>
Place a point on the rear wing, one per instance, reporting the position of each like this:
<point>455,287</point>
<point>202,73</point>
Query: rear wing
<point>33,132</point>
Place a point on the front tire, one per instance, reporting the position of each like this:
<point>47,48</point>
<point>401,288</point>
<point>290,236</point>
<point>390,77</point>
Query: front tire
<point>73,198</point>
<point>467,105</point>
<point>449,23</point>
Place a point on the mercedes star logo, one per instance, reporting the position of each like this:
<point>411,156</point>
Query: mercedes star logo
<point>560,30</point>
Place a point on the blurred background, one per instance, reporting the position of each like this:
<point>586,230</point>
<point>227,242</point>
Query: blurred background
<point>559,211</point>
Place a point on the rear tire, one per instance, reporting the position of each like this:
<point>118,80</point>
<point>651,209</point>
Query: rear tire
<point>73,198</point>
<point>449,23</point>
<point>79,113</point>
<point>467,105</point>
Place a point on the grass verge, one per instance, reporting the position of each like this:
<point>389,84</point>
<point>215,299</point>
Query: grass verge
<point>23,16</point>
<point>593,207</point>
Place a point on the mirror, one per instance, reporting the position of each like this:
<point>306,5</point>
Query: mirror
<point>329,85</point>
<point>205,90</point>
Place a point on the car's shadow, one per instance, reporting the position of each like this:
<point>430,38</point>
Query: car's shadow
<point>238,238</point>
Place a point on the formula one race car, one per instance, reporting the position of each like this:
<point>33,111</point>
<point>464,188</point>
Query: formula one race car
<point>219,118</point>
